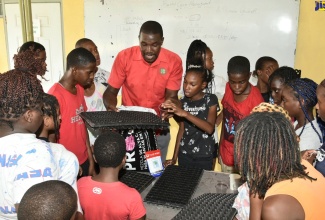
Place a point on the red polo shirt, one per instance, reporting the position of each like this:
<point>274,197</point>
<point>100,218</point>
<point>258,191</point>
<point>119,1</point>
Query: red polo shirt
<point>143,84</point>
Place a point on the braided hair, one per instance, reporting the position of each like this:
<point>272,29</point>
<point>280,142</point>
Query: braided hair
<point>267,151</point>
<point>206,77</point>
<point>26,61</point>
<point>31,45</point>
<point>285,74</point>
<point>19,91</point>
<point>196,58</point>
<point>304,90</point>
<point>50,105</point>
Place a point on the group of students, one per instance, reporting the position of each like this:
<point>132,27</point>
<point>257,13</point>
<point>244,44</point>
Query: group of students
<point>43,138</point>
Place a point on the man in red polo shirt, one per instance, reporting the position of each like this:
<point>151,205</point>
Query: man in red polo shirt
<point>148,74</point>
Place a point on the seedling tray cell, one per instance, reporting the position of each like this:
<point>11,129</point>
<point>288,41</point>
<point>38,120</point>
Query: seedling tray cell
<point>124,120</point>
<point>175,187</point>
<point>209,206</point>
<point>139,181</point>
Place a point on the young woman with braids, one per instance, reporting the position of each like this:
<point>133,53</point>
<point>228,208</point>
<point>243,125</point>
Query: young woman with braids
<point>24,160</point>
<point>37,57</point>
<point>68,165</point>
<point>199,54</point>
<point>278,80</point>
<point>299,98</point>
<point>282,185</point>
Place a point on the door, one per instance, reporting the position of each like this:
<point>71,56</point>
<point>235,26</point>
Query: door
<point>49,15</point>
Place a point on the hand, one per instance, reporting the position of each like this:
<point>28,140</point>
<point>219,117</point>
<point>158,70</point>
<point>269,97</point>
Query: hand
<point>308,155</point>
<point>112,108</point>
<point>174,108</point>
<point>169,162</point>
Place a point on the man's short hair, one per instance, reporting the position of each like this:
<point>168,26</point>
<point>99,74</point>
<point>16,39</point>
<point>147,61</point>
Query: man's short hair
<point>81,41</point>
<point>79,57</point>
<point>152,27</point>
<point>51,199</point>
<point>238,65</point>
<point>109,149</point>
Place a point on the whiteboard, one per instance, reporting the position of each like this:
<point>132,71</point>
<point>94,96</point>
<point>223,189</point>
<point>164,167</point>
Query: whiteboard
<point>251,28</point>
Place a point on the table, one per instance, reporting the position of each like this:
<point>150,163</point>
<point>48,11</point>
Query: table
<point>207,184</point>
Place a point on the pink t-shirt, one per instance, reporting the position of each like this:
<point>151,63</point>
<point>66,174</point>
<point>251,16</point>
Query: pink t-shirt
<point>109,200</point>
<point>73,133</point>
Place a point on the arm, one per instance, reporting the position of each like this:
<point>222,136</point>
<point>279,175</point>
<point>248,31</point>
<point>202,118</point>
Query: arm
<point>91,170</point>
<point>110,98</point>
<point>79,216</point>
<point>171,96</point>
<point>205,125</point>
<point>176,149</point>
<point>219,118</point>
<point>282,207</point>
<point>255,204</point>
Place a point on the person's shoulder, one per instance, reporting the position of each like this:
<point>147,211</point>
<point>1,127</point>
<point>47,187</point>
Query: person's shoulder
<point>59,149</point>
<point>83,181</point>
<point>55,88</point>
<point>130,51</point>
<point>282,207</point>
<point>211,96</point>
<point>255,91</point>
<point>127,189</point>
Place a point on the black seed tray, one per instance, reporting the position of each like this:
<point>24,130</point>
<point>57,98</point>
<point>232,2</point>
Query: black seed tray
<point>209,206</point>
<point>124,120</point>
<point>175,186</point>
<point>139,181</point>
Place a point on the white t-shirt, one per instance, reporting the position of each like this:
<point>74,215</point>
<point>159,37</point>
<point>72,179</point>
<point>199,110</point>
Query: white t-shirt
<point>309,139</point>
<point>95,101</point>
<point>24,162</point>
<point>68,166</point>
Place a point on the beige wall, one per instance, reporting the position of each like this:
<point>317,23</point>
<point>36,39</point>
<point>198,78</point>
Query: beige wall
<point>3,48</point>
<point>310,51</point>
<point>73,23</point>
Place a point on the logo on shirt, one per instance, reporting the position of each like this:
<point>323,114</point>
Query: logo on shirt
<point>319,5</point>
<point>163,71</point>
<point>97,190</point>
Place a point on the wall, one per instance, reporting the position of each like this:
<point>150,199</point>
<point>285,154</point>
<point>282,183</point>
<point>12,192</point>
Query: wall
<point>73,23</point>
<point>251,28</point>
<point>73,29</point>
<point>3,48</point>
<point>310,51</point>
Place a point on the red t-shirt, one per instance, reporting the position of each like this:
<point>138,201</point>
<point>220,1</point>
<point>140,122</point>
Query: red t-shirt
<point>73,133</point>
<point>109,200</point>
<point>233,112</point>
<point>143,84</point>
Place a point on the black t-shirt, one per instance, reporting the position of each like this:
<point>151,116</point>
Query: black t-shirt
<point>195,142</point>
